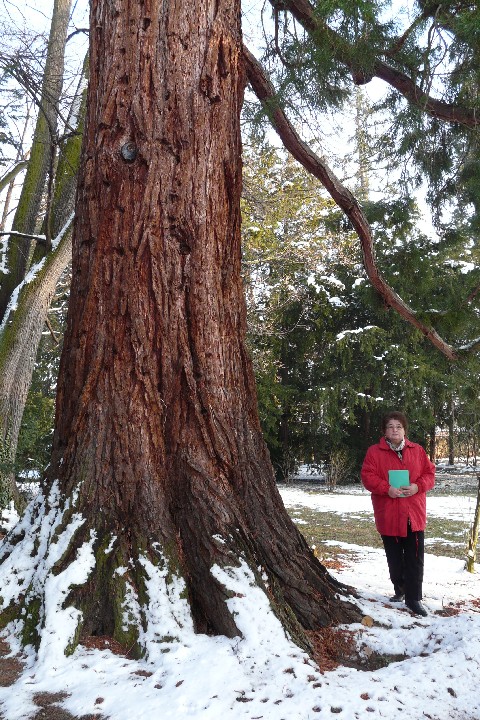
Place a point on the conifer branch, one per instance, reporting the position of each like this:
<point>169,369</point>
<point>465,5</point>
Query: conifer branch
<point>265,92</point>
<point>344,52</point>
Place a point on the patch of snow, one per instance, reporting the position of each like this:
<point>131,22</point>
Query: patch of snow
<point>344,334</point>
<point>336,301</point>
<point>169,622</point>
<point>9,517</point>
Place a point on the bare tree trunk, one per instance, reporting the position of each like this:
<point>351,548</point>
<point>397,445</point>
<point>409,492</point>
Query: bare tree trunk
<point>19,340</point>
<point>451,434</point>
<point>157,440</point>
<point>473,537</point>
<point>366,424</point>
<point>433,443</point>
<point>21,330</point>
<point>40,161</point>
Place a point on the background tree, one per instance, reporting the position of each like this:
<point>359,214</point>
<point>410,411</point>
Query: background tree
<point>36,432</point>
<point>45,204</point>
<point>292,260</point>
<point>337,359</point>
<point>42,154</point>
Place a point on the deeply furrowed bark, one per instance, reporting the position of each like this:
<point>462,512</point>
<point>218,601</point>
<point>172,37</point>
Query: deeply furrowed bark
<point>157,426</point>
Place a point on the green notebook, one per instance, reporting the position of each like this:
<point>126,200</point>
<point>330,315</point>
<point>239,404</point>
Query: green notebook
<point>398,478</point>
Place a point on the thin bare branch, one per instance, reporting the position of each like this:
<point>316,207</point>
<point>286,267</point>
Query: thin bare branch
<point>14,233</point>
<point>52,331</point>
<point>12,174</point>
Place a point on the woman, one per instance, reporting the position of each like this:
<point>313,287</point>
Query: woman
<point>400,512</point>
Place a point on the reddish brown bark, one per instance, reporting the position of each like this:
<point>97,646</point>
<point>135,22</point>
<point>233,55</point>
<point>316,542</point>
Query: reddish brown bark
<point>157,422</point>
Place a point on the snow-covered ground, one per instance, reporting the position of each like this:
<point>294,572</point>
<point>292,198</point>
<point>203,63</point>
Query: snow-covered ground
<point>354,502</point>
<point>263,675</point>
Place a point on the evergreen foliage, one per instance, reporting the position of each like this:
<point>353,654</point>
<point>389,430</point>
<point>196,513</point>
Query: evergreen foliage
<point>322,51</point>
<point>330,358</point>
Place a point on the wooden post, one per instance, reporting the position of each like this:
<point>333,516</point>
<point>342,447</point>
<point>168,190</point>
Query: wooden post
<point>472,541</point>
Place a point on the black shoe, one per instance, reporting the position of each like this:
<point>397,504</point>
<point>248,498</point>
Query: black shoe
<point>416,608</point>
<point>397,598</point>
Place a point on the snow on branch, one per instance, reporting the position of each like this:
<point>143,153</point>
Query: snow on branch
<point>32,274</point>
<point>13,233</point>
<point>265,92</point>
<point>469,347</point>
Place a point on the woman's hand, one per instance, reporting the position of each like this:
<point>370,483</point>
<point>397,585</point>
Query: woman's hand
<point>394,492</point>
<point>406,491</point>
<point>409,490</point>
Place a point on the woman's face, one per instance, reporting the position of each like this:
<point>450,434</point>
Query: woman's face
<point>394,431</point>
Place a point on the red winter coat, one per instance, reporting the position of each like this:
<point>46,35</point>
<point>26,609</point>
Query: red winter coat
<point>392,514</point>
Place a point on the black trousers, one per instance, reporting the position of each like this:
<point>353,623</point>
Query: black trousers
<point>405,562</point>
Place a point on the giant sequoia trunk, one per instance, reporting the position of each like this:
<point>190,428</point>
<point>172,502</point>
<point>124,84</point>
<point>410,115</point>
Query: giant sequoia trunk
<point>157,443</point>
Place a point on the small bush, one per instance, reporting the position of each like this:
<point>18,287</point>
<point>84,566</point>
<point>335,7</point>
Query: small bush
<point>339,469</point>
